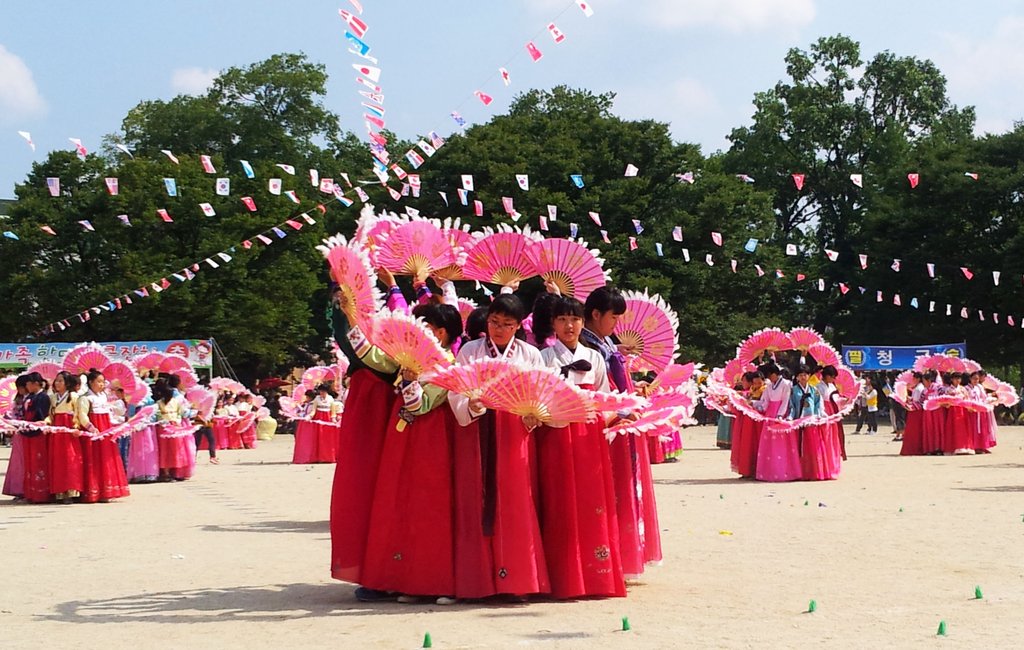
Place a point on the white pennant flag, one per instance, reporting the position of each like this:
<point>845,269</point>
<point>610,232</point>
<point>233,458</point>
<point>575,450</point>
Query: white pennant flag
<point>274,186</point>
<point>28,139</point>
<point>524,182</point>
<point>995,277</point>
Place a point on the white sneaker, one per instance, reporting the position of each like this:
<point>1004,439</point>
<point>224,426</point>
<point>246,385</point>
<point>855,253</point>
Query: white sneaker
<point>408,600</point>
<point>447,600</point>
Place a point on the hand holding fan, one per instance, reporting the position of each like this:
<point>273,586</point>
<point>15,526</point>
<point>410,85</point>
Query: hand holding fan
<point>350,268</point>
<point>416,248</point>
<point>570,265</point>
<point>648,330</point>
<point>541,393</point>
<point>407,340</point>
<point>140,393</point>
<point>83,358</point>
<point>501,256</point>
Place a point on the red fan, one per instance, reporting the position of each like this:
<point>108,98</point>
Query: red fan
<point>766,340</point>
<point>47,369</point>
<point>466,308</point>
<point>669,418</point>
<point>317,375</point>
<point>648,330</point>
<point>202,400</point>
<point>188,379</point>
<point>734,371</point>
<point>223,384</point>
<point>847,384</point>
<point>290,408</point>
<point>350,268</point>
<point>824,354</point>
<point>121,375</point>
<point>674,375</point>
<point>407,340</point>
<point>461,240</point>
<point>675,399</point>
<point>372,228</point>
<point>470,378</point>
<point>8,391</point>
<point>148,361</point>
<point>802,338</point>
<point>139,394</point>
<point>540,392</point>
<point>574,269</point>
<point>415,248</point>
<point>501,257</point>
<point>900,393</point>
<point>174,365</point>
<point>614,402</point>
<point>83,358</point>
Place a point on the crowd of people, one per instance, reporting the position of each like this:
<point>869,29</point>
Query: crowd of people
<point>79,439</point>
<point>954,428</point>
<point>438,497</point>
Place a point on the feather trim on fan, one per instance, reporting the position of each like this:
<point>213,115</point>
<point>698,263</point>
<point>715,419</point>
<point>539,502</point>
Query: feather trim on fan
<point>47,369</point>
<point>418,247</point>
<point>83,358</point>
<point>669,418</point>
<point>466,307</point>
<point>770,339</point>
<point>408,341</point>
<point>614,402</point>
<point>734,371</point>
<point>224,384</point>
<point>802,338</point>
<point>541,393</point>
<point>351,269</point>
<point>944,401</point>
<point>8,391</point>
<point>371,228</point>
<point>461,240</point>
<point>570,265</point>
<point>500,256</point>
<point>121,375</point>
<point>174,364</point>
<point>824,355</point>
<point>901,394</point>
<point>648,330</point>
<point>313,377</point>
<point>675,375</point>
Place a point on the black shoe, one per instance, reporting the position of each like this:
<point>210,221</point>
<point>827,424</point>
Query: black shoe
<point>366,595</point>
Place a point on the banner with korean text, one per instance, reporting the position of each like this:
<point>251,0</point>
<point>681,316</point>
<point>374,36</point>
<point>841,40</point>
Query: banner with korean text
<point>896,357</point>
<point>199,352</point>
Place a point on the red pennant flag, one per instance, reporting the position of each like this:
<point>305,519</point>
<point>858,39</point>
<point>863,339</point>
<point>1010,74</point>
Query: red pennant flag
<point>164,282</point>
<point>632,243</point>
<point>843,289</point>
<point>967,272</point>
<point>207,164</point>
<point>897,301</point>
<point>596,218</point>
<point>963,313</point>
<point>294,224</point>
<point>800,277</point>
<point>163,215</point>
<point>355,23</point>
<point>321,208</point>
<point>534,53</point>
<point>914,180</point>
<point>478,208</point>
<point>717,238</point>
<point>247,244</point>
<point>798,180</point>
<point>249,203</point>
<point>831,255</point>
<point>267,241</point>
<point>759,270</point>
<point>484,97</point>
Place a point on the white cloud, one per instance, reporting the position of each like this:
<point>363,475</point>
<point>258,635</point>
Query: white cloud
<point>192,81</point>
<point>19,96</point>
<point>982,72</point>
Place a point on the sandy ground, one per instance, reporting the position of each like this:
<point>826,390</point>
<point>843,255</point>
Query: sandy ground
<point>239,557</point>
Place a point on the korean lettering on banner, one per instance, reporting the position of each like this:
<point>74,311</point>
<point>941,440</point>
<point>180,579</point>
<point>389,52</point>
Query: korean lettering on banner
<point>198,351</point>
<point>895,357</point>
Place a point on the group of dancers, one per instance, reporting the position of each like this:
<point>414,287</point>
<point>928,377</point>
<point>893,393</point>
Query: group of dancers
<point>772,450</point>
<point>438,498</point>
<point>76,439</point>
<point>961,427</point>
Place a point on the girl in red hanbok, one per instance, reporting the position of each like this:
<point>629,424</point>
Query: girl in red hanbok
<point>104,475</point>
<point>66,471</point>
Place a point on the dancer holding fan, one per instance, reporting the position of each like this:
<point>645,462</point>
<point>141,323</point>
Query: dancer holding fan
<point>778,454</point>
<point>65,448</point>
<point>636,508</point>
<point>105,477</point>
<point>498,546</point>
<point>371,393</point>
<point>35,445</point>
<point>577,491</point>
<point>819,446</point>
<point>409,549</point>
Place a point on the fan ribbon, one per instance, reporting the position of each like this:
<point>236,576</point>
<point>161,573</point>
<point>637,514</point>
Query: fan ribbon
<point>579,365</point>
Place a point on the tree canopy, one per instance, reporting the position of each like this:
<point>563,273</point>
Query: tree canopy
<point>835,116</point>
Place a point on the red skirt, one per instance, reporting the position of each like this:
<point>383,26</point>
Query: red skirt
<point>360,439</point>
<point>104,476</point>
<point>746,434</point>
<point>957,433</point>
<point>820,457</point>
<point>913,443</point>
<point>577,513</point>
<point>498,545</point>
<point>37,468</point>
<point>650,528</point>
<point>933,425</point>
<point>247,432</point>
<point>234,432</point>
<point>654,450</point>
<point>306,437</point>
<point>221,427</point>
<point>66,471</point>
<point>409,547</point>
<point>327,436</point>
<point>625,477</point>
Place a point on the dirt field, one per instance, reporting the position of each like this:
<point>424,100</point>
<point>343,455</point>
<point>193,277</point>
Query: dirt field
<point>239,557</point>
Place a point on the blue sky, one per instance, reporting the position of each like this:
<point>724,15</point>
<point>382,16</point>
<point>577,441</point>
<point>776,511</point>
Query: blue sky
<point>73,69</point>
